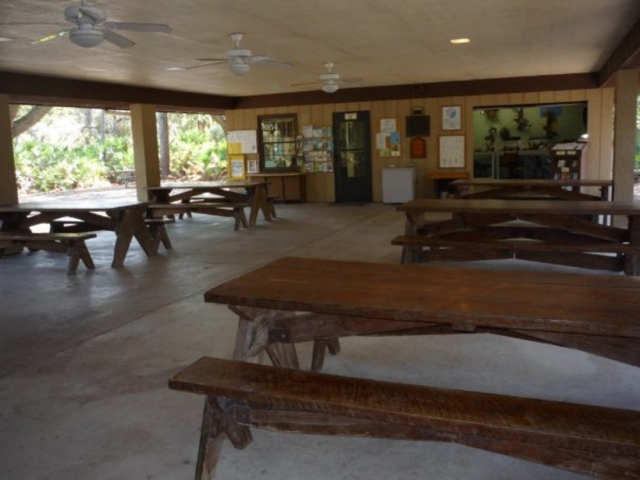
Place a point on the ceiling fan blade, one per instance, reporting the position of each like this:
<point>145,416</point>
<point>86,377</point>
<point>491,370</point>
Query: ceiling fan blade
<point>139,27</point>
<point>117,39</point>
<point>264,59</point>
<point>306,83</point>
<point>53,36</point>
<point>212,59</point>
<point>217,62</point>
<point>8,24</point>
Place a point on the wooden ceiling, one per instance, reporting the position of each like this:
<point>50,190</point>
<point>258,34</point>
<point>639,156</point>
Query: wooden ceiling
<point>402,45</point>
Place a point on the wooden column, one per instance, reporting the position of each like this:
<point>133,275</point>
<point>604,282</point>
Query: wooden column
<point>624,135</point>
<point>145,148</point>
<point>8,184</point>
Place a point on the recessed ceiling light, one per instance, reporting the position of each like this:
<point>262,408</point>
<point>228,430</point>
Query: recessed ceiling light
<point>7,39</point>
<point>459,41</point>
<point>174,69</point>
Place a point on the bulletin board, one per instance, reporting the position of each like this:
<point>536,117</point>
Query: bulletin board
<point>451,153</point>
<point>242,141</point>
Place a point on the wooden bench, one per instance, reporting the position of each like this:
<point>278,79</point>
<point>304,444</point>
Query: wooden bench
<point>68,243</point>
<point>222,209</point>
<point>598,441</point>
<point>585,254</point>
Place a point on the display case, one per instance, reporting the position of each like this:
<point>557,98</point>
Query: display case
<point>568,160</point>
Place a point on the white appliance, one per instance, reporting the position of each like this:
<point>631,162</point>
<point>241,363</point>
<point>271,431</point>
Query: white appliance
<point>398,184</point>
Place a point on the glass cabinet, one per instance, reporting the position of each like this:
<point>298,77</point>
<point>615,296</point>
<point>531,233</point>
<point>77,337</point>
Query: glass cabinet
<point>277,142</point>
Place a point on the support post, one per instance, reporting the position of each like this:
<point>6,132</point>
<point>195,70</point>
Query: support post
<point>8,182</point>
<point>145,148</point>
<point>624,136</point>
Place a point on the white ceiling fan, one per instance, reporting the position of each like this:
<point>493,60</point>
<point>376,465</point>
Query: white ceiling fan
<point>330,82</point>
<point>240,59</point>
<point>91,27</point>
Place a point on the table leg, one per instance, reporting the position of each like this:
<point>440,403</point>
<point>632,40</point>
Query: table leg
<point>632,260</point>
<point>259,201</point>
<point>129,224</point>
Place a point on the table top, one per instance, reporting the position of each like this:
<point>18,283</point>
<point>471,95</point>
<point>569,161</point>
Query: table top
<point>532,182</point>
<point>570,303</point>
<point>72,206</point>
<point>545,207</point>
<point>204,186</point>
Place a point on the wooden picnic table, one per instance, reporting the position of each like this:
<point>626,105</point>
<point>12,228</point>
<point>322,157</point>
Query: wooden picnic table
<point>538,230</point>
<point>298,300</point>
<point>342,298</point>
<point>540,188</point>
<point>124,217</point>
<point>253,192</point>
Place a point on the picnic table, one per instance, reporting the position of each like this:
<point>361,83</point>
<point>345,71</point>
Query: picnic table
<point>123,217</point>
<point>299,300</point>
<point>255,193</point>
<point>562,232</point>
<point>539,188</point>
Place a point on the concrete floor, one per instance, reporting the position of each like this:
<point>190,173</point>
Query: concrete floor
<point>84,361</point>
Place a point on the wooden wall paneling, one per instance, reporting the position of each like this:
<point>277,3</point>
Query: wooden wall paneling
<point>600,107</point>
<point>577,95</point>
<point>547,97</point>
<point>516,99</point>
<point>312,182</point>
<point>562,96</point>
<point>531,98</point>
<point>250,120</point>
<point>378,163</point>
<point>594,99</point>
<point>316,117</point>
<point>327,114</point>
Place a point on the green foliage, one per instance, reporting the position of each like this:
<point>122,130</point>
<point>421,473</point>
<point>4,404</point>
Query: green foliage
<point>81,148</point>
<point>198,147</point>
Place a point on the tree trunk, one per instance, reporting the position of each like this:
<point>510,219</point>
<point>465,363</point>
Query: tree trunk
<point>163,136</point>
<point>28,120</point>
<point>222,121</point>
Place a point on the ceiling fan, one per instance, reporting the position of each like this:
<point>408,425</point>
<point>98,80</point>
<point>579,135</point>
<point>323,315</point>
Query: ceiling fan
<point>91,27</point>
<point>240,59</point>
<point>330,81</point>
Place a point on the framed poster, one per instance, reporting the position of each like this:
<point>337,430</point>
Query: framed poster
<point>452,118</point>
<point>451,151</point>
<point>236,167</point>
<point>253,166</point>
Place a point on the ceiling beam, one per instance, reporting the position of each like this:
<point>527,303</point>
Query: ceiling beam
<point>625,56</point>
<point>43,90</point>
<point>425,90</point>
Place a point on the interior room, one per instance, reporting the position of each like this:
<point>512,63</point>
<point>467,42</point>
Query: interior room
<point>319,101</point>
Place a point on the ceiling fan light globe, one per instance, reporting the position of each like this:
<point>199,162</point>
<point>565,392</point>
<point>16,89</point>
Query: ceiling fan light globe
<point>239,69</point>
<point>85,37</point>
<point>330,88</point>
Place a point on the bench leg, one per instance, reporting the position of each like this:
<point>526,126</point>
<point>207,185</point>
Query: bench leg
<point>79,251</point>
<point>211,438</point>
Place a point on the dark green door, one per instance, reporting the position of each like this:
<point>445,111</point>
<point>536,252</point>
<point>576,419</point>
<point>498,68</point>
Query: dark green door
<point>352,156</point>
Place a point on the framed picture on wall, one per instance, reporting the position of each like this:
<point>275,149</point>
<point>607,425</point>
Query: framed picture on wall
<point>452,118</point>
<point>253,166</point>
